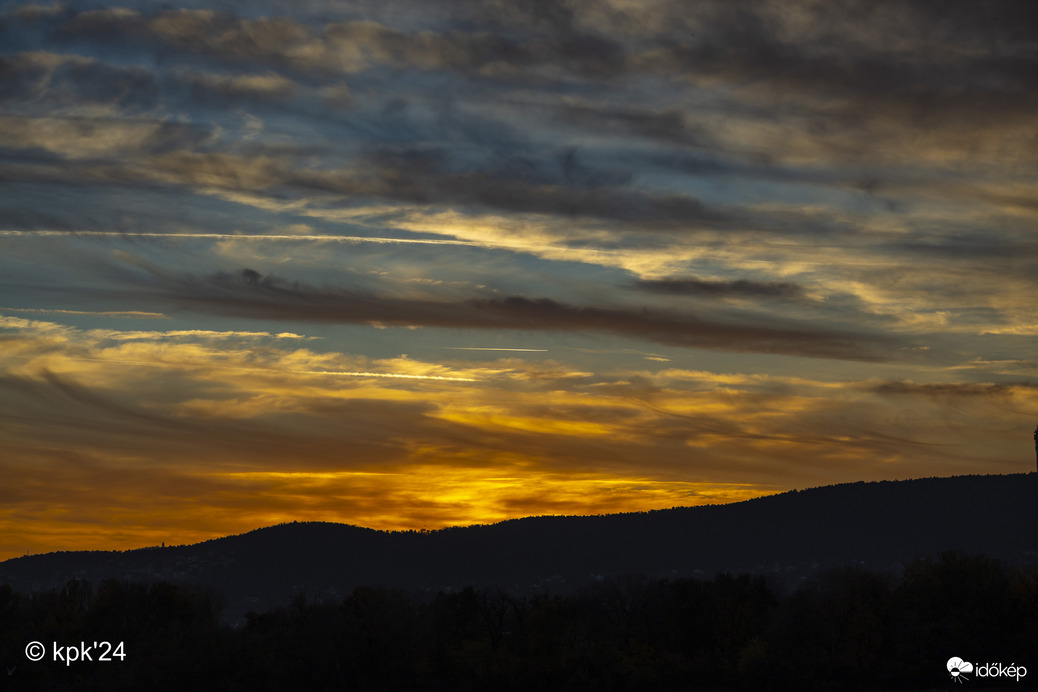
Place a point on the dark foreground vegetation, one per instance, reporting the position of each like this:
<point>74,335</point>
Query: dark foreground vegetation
<point>845,629</point>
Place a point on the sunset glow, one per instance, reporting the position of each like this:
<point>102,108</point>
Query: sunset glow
<point>412,265</point>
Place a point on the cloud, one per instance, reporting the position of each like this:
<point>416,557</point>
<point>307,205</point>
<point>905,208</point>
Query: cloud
<point>257,431</point>
<point>667,125</point>
<point>849,181</point>
<point>399,179</point>
<point>267,86</point>
<point>96,138</point>
<point>690,286</point>
<point>74,82</point>
<point>132,314</point>
<point>249,294</point>
<point>952,389</point>
<point>863,80</point>
<point>87,418</point>
<point>352,46</point>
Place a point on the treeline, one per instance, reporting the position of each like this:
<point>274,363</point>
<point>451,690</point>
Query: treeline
<point>848,629</point>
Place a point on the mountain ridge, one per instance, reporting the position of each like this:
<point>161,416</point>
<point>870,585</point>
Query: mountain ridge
<point>880,525</point>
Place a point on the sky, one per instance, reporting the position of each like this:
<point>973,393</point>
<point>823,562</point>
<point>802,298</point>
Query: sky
<point>407,264</point>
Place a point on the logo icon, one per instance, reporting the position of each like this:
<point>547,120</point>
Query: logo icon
<point>958,668</point>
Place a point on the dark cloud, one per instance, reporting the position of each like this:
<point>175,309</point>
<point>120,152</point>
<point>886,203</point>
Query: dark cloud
<point>352,46</point>
<point>740,288</point>
<point>247,294</point>
<point>424,177</point>
<point>831,73</point>
<point>175,153</point>
<point>61,81</point>
<point>506,15</point>
<point>417,176</point>
<point>668,125</point>
<point>20,75</point>
<point>602,203</point>
<point>868,81</point>
<point>876,55</point>
<point>969,246</point>
<point>943,390</point>
<point>586,55</point>
<point>852,47</point>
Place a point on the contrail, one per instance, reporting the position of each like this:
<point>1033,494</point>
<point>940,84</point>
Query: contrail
<point>106,313</point>
<point>387,374</point>
<point>235,236</point>
<point>476,348</point>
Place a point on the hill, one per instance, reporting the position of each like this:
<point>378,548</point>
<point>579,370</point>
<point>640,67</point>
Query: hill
<point>877,525</point>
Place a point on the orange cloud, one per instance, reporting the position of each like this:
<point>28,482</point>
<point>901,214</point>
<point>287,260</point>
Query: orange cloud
<point>121,439</point>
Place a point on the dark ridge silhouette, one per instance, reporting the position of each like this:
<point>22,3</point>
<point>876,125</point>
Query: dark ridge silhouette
<point>789,537</point>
